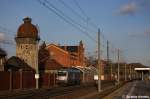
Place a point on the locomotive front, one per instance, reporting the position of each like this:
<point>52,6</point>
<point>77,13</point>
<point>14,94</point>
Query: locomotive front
<point>62,76</point>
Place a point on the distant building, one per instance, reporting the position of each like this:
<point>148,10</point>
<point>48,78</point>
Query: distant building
<point>27,40</point>
<point>103,65</point>
<point>58,54</point>
<point>76,53</point>
<point>54,57</point>
<point>2,59</point>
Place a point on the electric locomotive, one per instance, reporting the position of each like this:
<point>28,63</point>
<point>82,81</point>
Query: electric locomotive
<point>68,76</point>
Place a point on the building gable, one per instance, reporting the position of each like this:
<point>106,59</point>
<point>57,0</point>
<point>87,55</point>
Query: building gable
<point>56,47</point>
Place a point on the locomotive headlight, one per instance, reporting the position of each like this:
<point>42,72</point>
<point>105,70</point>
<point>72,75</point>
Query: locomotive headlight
<point>62,78</point>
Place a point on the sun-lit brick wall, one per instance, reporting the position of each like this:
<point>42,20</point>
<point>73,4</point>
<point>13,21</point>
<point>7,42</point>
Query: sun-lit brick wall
<point>59,55</point>
<point>66,57</point>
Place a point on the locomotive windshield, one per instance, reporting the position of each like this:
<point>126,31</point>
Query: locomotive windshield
<point>61,73</point>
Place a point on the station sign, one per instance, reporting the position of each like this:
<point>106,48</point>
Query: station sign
<point>36,76</point>
<point>95,77</point>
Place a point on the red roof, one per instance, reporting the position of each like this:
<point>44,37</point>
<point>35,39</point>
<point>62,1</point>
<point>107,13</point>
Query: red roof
<point>27,29</point>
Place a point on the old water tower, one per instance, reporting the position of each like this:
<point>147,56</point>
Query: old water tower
<point>27,40</point>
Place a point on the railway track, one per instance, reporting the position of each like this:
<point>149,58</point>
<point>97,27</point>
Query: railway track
<point>43,94</point>
<point>51,93</point>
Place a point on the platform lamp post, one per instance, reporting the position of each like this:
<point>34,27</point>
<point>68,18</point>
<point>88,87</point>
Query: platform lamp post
<point>37,67</point>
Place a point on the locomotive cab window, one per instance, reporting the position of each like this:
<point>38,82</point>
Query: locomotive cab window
<point>61,73</point>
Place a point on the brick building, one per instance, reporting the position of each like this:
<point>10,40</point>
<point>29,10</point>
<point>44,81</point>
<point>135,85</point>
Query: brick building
<point>76,54</point>
<point>57,56</point>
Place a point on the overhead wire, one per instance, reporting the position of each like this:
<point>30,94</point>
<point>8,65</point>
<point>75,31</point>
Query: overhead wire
<point>6,31</point>
<point>72,10</point>
<point>102,35</point>
<point>67,19</point>
<point>84,14</point>
<point>76,13</point>
<point>81,10</point>
<point>60,14</point>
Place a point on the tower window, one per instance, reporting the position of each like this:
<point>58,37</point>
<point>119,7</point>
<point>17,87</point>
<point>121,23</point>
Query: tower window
<point>26,46</point>
<point>21,46</point>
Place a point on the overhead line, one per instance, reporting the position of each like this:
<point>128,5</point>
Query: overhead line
<point>81,10</point>
<point>91,23</point>
<point>69,20</point>
<point>63,18</point>
<point>72,10</point>
<point>7,30</point>
<point>7,42</point>
<point>83,13</point>
<point>64,14</point>
<point>77,14</point>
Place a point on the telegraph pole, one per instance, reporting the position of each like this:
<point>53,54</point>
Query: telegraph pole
<point>130,72</point>
<point>99,63</point>
<point>108,65</point>
<point>118,67</point>
<point>111,70</point>
<point>125,72</point>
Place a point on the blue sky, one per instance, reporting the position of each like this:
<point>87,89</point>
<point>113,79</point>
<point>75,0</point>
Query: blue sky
<point>125,23</point>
